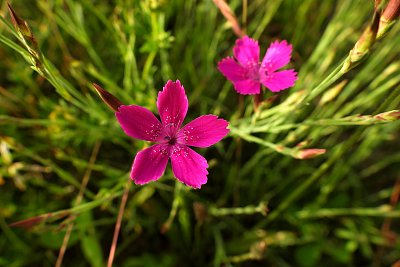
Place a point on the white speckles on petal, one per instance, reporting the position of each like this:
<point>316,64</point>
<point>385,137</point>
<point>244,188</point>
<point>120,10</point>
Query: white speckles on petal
<point>149,164</point>
<point>203,131</point>
<point>179,153</point>
<point>189,167</point>
<point>172,103</point>
<point>267,64</point>
<point>138,122</point>
<point>154,132</point>
<point>278,55</point>
<point>160,150</point>
<point>190,135</point>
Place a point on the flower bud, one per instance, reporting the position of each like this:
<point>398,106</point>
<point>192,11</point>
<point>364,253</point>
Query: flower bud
<point>389,15</point>
<point>111,101</point>
<point>364,43</point>
<point>389,115</point>
<point>310,153</point>
<point>392,11</point>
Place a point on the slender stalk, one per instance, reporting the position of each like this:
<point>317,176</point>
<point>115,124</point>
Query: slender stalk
<point>386,231</point>
<point>244,16</point>
<point>383,211</point>
<point>175,205</point>
<point>85,181</point>
<point>118,224</point>
<point>64,245</point>
<point>328,81</point>
<point>248,210</point>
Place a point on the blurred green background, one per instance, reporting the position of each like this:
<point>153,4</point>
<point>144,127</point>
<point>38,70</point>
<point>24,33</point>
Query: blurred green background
<point>263,205</point>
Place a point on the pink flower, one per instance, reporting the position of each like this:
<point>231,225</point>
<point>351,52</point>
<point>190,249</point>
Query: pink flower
<point>248,73</point>
<point>172,140</point>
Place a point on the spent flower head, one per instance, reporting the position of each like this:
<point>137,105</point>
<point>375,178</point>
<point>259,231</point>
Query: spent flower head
<point>171,140</point>
<point>247,73</point>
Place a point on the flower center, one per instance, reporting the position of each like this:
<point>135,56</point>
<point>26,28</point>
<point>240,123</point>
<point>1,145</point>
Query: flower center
<point>169,134</point>
<point>170,140</point>
<point>253,71</point>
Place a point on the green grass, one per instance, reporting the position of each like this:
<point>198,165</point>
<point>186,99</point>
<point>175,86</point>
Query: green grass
<point>262,205</point>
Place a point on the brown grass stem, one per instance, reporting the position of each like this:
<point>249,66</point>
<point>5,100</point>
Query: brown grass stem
<point>118,224</point>
<point>85,181</point>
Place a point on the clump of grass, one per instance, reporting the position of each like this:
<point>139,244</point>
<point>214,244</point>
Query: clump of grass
<point>265,203</point>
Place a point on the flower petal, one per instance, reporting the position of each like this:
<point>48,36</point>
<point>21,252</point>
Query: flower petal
<point>247,87</point>
<point>139,122</point>
<point>149,164</point>
<point>203,131</point>
<point>172,104</point>
<point>278,81</point>
<point>232,70</point>
<point>237,74</point>
<point>278,55</point>
<point>247,51</point>
<point>189,167</point>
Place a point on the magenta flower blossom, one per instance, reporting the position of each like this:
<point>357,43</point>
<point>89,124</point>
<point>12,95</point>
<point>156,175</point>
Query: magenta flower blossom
<point>172,141</point>
<point>247,73</point>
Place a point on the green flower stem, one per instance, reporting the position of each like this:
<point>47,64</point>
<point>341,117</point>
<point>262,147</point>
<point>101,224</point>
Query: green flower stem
<point>278,148</point>
<point>345,121</point>
<point>248,210</point>
<point>175,206</point>
<point>383,211</point>
<point>328,81</point>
